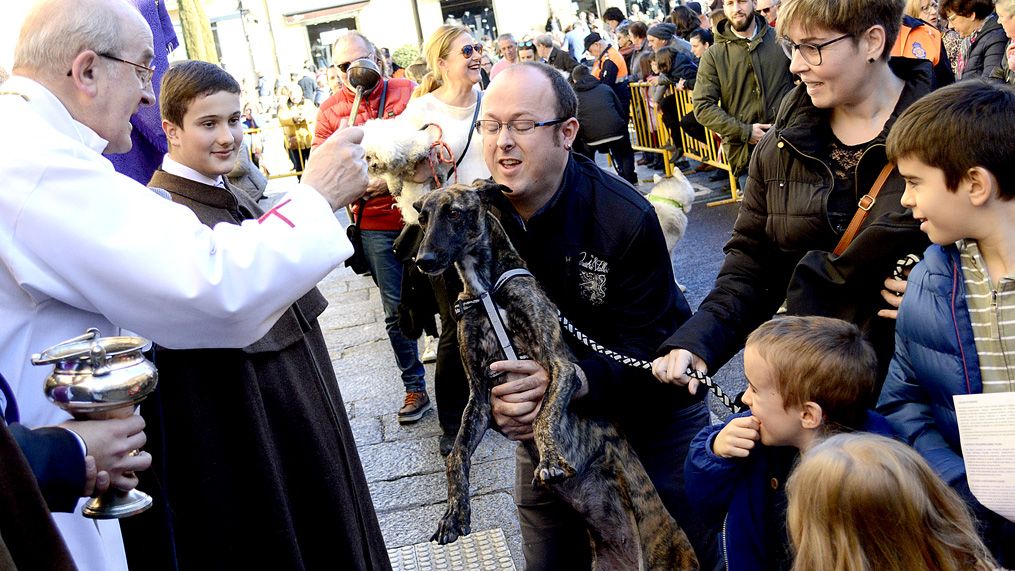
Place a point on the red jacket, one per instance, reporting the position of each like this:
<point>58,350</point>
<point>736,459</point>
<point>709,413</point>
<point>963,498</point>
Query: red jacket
<point>380,212</point>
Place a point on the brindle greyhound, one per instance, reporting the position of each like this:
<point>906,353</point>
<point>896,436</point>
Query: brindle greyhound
<point>584,460</point>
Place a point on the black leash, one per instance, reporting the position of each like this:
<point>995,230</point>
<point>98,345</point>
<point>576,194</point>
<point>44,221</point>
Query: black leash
<point>492,313</point>
<point>647,365</point>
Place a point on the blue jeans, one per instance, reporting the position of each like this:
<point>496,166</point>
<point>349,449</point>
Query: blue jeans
<point>387,274</point>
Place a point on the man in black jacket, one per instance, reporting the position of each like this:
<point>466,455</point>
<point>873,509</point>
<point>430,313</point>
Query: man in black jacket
<point>595,246</point>
<point>553,56</point>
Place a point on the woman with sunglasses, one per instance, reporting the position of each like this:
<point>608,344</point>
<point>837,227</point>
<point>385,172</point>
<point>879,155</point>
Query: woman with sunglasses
<point>448,97</point>
<point>805,185</point>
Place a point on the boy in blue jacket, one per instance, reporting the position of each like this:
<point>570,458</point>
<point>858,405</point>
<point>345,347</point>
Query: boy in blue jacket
<point>807,377</point>
<point>956,327</point>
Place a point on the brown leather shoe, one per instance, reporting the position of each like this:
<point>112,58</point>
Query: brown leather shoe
<point>416,405</point>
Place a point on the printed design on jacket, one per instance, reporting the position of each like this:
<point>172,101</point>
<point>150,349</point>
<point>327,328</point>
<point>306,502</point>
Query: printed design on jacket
<point>592,273</point>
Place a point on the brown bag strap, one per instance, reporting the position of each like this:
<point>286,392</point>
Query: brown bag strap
<point>863,209</point>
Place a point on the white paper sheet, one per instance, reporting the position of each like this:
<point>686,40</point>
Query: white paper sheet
<point>987,432</point>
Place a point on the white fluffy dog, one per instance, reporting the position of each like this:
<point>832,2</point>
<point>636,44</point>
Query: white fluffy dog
<point>672,198</point>
<point>394,148</point>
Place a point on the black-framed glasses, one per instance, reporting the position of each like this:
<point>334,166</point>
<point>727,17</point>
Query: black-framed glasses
<point>468,50</point>
<point>810,52</point>
<point>518,126</point>
<point>344,67</point>
<point>764,11</point>
<point>144,72</point>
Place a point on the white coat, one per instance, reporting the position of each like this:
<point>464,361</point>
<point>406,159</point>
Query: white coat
<point>83,246</point>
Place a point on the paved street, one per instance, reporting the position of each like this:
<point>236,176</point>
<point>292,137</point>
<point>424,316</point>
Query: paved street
<point>402,464</point>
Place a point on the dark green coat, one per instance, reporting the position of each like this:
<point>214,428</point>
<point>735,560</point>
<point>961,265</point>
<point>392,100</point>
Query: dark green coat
<point>740,82</point>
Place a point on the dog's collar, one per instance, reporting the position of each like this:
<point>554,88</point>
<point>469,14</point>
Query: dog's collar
<point>664,200</point>
<point>492,311</point>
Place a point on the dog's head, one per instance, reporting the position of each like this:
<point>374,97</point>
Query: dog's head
<point>454,221</point>
<point>394,147</point>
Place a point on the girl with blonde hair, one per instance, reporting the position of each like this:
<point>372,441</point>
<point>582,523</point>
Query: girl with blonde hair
<point>861,502</point>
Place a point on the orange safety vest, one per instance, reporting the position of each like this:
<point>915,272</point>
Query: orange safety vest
<point>921,41</point>
<point>617,60</point>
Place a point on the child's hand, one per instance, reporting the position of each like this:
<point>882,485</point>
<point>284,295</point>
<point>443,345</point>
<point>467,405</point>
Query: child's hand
<point>736,439</point>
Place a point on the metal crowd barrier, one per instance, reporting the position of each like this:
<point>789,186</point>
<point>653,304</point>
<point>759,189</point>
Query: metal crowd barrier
<point>653,136</point>
<point>650,135</point>
<point>708,151</point>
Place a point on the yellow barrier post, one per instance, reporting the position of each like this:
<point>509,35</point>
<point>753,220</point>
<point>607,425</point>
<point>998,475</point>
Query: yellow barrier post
<point>709,151</point>
<point>650,135</point>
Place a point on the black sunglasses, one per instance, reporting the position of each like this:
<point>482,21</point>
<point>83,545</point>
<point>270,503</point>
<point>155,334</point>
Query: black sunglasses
<point>468,50</point>
<point>344,67</point>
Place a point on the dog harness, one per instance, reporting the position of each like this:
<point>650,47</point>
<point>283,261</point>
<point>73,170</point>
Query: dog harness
<point>492,311</point>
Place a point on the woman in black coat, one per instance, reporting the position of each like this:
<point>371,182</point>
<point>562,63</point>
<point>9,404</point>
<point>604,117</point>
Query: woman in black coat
<point>802,193</point>
<point>976,21</point>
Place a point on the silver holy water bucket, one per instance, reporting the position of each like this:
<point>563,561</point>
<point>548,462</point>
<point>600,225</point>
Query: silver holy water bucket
<point>96,378</point>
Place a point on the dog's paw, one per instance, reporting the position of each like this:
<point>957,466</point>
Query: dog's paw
<point>454,524</point>
<point>552,470</point>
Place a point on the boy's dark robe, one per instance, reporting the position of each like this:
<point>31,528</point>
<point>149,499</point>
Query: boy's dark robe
<point>252,447</point>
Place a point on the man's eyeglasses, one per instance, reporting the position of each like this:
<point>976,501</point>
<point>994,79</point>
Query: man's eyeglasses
<point>344,67</point>
<point>518,126</point>
<point>144,72</point>
<point>468,50</point>
<point>810,52</point>
<point>764,11</point>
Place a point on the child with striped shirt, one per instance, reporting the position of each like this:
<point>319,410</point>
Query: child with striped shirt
<point>956,324</point>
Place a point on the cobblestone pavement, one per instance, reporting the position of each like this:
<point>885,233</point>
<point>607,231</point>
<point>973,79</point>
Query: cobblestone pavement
<point>402,463</point>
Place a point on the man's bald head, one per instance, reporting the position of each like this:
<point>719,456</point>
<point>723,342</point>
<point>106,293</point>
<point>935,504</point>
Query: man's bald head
<point>94,56</point>
<point>56,31</point>
<point>548,82</point>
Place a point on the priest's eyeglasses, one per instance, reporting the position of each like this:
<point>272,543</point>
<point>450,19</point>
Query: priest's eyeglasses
<point>144,72</point>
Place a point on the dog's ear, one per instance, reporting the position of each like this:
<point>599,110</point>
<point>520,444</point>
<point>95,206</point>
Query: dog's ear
<point>487,191</point>
<point>489,187</point>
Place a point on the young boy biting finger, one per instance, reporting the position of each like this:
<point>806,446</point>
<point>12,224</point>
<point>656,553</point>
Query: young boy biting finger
<point>808,377</point>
